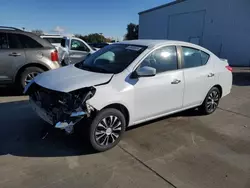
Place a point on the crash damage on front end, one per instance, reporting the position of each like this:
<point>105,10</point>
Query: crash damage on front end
<point>60,109</point>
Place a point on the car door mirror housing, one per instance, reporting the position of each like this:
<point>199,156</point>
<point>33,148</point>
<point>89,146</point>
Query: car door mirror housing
<point>144,72</point>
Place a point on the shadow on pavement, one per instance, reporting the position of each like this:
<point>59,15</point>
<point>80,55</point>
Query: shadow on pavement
<point>241,78</point>
<point>9,91</point>
<point>22,134</point>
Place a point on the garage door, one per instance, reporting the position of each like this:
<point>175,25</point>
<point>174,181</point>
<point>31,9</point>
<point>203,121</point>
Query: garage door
<point>186,26</point>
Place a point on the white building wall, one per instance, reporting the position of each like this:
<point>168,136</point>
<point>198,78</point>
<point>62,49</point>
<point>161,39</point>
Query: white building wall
<point>223,26</point>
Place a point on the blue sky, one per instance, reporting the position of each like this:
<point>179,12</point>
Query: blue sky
<point>109,17</point>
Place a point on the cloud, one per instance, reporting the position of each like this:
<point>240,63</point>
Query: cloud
<point>58,29</point>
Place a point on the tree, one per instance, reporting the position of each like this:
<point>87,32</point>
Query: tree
<point>93,38</point>
<point>38,32</point>
<point>132,31</point>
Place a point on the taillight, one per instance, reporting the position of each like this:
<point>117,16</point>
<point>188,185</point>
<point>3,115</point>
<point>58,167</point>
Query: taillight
<point>54,56</point>
<point>229,68</point>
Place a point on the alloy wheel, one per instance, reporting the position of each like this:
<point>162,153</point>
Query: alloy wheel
<point>108,130</point>
<point>30,77</point>
<point>213,101</point>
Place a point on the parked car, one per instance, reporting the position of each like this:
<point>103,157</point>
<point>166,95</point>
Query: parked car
<point>55,40</point>
<point>73,50</point>
<point>23,55</point>
<point>128,83</point>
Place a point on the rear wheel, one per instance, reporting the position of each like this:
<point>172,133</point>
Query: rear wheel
<point>28,74</point>
<point>107,129</point>
<point>211,101</point>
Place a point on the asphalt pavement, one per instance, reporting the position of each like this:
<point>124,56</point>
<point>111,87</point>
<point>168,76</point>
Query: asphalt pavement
<point>185,150</point>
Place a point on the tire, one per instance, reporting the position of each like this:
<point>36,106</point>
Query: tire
<point>104,136</point>
<point>63,63</point>
<point>211,101</point>
<point>28,73</point>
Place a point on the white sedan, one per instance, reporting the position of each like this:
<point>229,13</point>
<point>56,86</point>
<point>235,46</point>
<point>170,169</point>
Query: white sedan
<point>127,83</point>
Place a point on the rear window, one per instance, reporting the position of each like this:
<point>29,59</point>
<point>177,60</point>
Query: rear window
<point>3,41</point>
<point>14,42</point>
<point>53,40</point>
<point>194,57</point>
<point>29,42</point>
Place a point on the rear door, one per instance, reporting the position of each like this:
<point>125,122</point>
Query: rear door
<point>78,51</point>
<point>35,52</point>
<point>198,74</point>
<point>12,56</point>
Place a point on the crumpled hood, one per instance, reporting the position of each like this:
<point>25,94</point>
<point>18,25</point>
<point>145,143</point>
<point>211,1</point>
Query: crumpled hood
<point>70,78</point>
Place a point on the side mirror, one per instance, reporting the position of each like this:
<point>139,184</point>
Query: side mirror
<point>144,72</point>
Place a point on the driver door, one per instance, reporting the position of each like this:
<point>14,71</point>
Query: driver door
<point>78,51</point>
<point>162,93</point>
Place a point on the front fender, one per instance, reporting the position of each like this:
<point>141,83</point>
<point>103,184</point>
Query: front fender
<point>106,95</point>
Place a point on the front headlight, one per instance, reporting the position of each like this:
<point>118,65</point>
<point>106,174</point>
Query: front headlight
<point>84,94</point>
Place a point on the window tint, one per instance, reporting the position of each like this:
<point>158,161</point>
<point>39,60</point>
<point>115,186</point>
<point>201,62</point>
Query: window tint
<point>28,42</point>
<point>193,57</point>
<point>53,40</point>
<point>3,41</point>
<point>78,45</point>
<point>14,42</point>
<point>163,59</point>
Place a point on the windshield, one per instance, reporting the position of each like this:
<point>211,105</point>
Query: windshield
<point>112,58</point>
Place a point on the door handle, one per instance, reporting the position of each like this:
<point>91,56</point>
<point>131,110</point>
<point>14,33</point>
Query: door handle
<point>175,81</point>
<point>14,54</point>
<point>210,75</point>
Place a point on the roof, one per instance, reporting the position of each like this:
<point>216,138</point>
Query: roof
<point>151,43</point>
<point>162,6</point>
<point>51,36</point>
<point>142,42</point>
<point>157,43</point>
<point>10,28</point>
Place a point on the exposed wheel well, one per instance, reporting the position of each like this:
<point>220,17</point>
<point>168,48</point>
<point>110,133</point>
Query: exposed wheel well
<point>29,65</point>
<point>220,89</point>
<point>121,108</point>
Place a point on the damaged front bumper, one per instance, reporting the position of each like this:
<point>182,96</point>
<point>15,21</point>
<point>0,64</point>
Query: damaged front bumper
<point>62,110</point>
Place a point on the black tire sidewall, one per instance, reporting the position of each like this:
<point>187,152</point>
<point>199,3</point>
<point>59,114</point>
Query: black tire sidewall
<point>102,114</point>
<point>204,105</point>
<point>24,74</point>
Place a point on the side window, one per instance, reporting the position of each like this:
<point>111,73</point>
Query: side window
<point>163,59</point>
<point>204,57</point>
<point>194,57</point>
<point>78,45</point>
<point>14,42</point>
<point>28,42</point>
<point>3,41</point>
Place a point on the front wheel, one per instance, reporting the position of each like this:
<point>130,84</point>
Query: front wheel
<point>107,129</point>
<point>211,101</point>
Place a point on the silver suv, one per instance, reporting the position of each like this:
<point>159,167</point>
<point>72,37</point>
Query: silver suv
<point>23,55</point>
